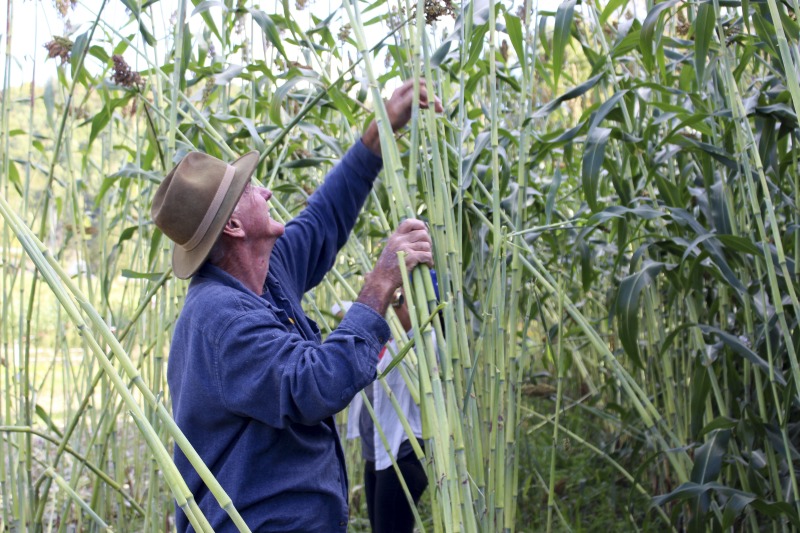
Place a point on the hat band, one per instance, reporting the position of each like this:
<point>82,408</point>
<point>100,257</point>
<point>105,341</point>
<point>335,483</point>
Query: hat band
<point>219,196</point>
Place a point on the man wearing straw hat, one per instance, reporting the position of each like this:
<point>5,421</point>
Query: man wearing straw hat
<point>253,387</point>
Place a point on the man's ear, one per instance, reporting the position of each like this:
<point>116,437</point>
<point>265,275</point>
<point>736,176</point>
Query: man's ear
<point>233,227</point>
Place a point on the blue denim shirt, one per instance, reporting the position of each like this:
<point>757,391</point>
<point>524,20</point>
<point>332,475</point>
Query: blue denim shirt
<point>253,386</point>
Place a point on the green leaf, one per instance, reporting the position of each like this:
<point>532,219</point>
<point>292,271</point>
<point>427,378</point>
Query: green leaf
<point>475,45</point>
<point>146,35</point>
<point>440,54</point>
<point>100,53</point>
<point>225,77</point>
<point>699,389</point>
<point>610,8</point>
<point>78,47</point>
<point>561,34</point>
<point>703,36</point>
<point>766,31</point>
<point>593,155</point>
<point>41,413</point>
<point>733,509</point>
<point>721,422</point>
<point>569,95</point>
<point>708,458</point>
<point>127,234</point>
<point>253,132</point>
<point>514,30</point>
<point>307,162</point>
<point>155,241</point>
<point>605,109</point>
<point>13,177</point>
<point>551,195</point>
<point>617,211</point>
<point>342,103</point>
<point>99,122</point>
<point>152,276</point>
<point>270,30</point>
<point>626,44</point>
<point>202,9</point>
<point>647,35</point>
<point>627,309</point>
<point>283,92</point>
<point>739,348</point>
<point>587,270</point>
<point>716,152</point>
<point>740,244</point>
<point>685,491</point>
<point>481,142</point>
<point>132,6</point>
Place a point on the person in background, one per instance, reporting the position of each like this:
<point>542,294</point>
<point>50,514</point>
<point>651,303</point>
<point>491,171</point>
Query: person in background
<point>387,505</point>
<point>253,387</point>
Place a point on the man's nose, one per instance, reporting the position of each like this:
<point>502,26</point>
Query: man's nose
<point>265,193</point>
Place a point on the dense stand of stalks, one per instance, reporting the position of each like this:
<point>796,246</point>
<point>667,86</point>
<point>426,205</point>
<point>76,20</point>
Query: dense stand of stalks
<point>612,195</point>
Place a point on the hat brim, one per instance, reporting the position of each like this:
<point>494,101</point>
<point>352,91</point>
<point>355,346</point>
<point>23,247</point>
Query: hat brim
<point>185,264</point>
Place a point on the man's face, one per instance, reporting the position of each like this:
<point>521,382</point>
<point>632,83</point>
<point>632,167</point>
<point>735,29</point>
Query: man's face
<point>253,212</point>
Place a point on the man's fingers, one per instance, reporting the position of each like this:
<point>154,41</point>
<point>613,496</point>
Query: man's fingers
<point>418,258</point>
<point>411,224</point>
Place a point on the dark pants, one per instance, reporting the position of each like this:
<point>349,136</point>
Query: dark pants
<point>387,504</point>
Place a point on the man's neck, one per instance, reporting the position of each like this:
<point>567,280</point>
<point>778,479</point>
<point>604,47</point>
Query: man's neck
<point>248,267</point>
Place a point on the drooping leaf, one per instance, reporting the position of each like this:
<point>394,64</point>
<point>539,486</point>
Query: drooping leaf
<point>610,8</point>
<point>225,77</point>
<point>561,34</point>
<point>647,37</point>
<point>617,211</point>
<point>282,94</point>
<point>627,309</point>
<point>45,417</point>
<point>270,30</point>
<point>127,234</point>
<point>514,29</point>
<point>205,5</point>
<point>551,195</point>
<point>99,122</point>
<point>80,44</point>
<point>476,45</point>
<point>739,348</point>
<point>704,25</point>
<point>699,390</point>
<point>306,162</point>
<point>569,95</point>
<point>605,109</point>
<point>147,35</point>
<point>131,274</point>
<point>593,156</point>
<point>708,458</point>
<point>481,142</point>
<point>440,54</point>
<point>203,8</point>
<point>13,177</point>
<point>155,241</point>
<point>340,101</point>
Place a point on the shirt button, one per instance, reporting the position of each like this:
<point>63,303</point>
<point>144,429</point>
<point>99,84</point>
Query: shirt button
<point>342,523</point>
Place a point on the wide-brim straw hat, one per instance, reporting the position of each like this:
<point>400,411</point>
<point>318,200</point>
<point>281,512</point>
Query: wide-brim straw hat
<point>195,200</point>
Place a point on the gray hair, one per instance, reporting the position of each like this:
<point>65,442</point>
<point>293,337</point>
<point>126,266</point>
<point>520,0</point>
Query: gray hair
<point>220,249</point>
